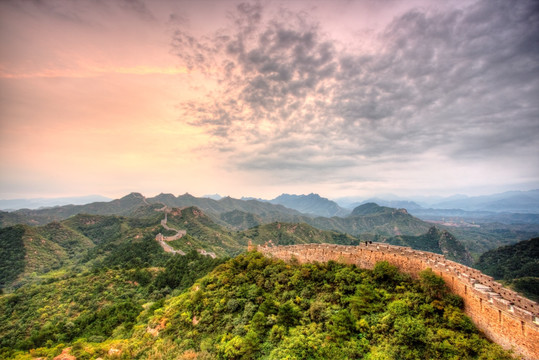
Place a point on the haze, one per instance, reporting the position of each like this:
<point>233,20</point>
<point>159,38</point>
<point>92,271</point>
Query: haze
<point>341,98</point>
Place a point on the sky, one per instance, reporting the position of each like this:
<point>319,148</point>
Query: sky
<point>341,98</point>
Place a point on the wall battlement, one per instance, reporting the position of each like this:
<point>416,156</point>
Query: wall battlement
<point>504,316</point>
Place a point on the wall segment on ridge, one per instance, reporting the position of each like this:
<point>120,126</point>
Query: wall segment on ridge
<point>504,316</point>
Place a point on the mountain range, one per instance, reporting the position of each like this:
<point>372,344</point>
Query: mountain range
<point>526,202</point>
<point>368,221</point>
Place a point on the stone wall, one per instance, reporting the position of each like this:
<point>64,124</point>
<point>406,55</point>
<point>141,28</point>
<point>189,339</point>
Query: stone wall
<point>504,316</point>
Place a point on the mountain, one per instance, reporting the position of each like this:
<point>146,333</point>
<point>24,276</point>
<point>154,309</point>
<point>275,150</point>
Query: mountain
<point>124,206</point>
<point>136,203</point>
<point>279,233</point>
<point>517,265</point>
<point>36,203</point>
<point>436,241</point>
<point>79,239</point>
<point>311,204</point>
<point>213,196</point>
<point>400,204</point>
<point>370,209</point>
<point>512,201</point>
<point>373,219</point>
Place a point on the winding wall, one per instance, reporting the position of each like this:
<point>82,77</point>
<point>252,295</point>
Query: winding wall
<point>504,316</point>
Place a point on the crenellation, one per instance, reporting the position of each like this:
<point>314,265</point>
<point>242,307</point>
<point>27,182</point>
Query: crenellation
<point>506,317</point>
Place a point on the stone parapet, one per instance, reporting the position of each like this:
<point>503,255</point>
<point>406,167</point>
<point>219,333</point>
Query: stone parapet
<point>504,316</point>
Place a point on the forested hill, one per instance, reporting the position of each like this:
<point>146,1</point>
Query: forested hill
<point>517,265</point>
<point>436,241</point>
<point>374,219</point>
<point>250,307</point>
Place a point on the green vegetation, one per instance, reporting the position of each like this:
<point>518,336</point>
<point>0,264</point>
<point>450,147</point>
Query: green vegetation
<point>254,307</point>
<point>288,234</point>
<point>94,305</point>
<point>249,307</point>
<point>436,241</point>
<point>373,219</point>
<point>97,283</point>
<point>489,236</point>
<point>11,254</point>
<point>517,265</point>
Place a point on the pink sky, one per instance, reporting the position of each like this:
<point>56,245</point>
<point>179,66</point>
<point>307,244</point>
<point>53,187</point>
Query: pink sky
<point>104,97</point>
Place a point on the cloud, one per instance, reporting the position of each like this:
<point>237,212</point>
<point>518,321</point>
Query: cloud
<point>462,84</point>
<point>88,71</point>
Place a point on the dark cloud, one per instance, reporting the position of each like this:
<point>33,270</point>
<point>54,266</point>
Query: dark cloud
<point>463,83</point>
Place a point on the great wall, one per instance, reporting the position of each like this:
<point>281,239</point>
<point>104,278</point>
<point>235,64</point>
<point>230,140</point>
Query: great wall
<point>162,240</point>
<point>501,314</point>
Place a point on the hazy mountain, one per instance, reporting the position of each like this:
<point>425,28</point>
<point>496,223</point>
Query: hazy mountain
<point>36,203</point>
<point>458,215</point>
<point>399,204</point>
<point>311,204</point>
<point>511,201</point>
<point>213,196</point>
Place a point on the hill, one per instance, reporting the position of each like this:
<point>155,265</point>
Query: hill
<point>436,241</point>
<point>311,204</point>
<point>97,304</point>
<point>27,250</point>
<point>124,206</point>
<point>517,265</point>
<point>249,307</point>
<point>373,219</point>
<point>287,233</point>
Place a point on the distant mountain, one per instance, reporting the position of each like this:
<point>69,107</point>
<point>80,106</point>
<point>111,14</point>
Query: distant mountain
<point>123,206</point>
<point>456,215</point>
<point>512,201</point>
<point>373,219</point>
<point>213,196</point>
<point>36,203</point>
<point>311,204</point>
<point>370,209</point>
<point>436,241</point>
<point>136,203</point>
<point>517,265</point>
<point>399,204</point>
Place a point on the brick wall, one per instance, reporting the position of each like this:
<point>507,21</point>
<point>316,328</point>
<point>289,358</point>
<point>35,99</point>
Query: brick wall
<point>504,316</point>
